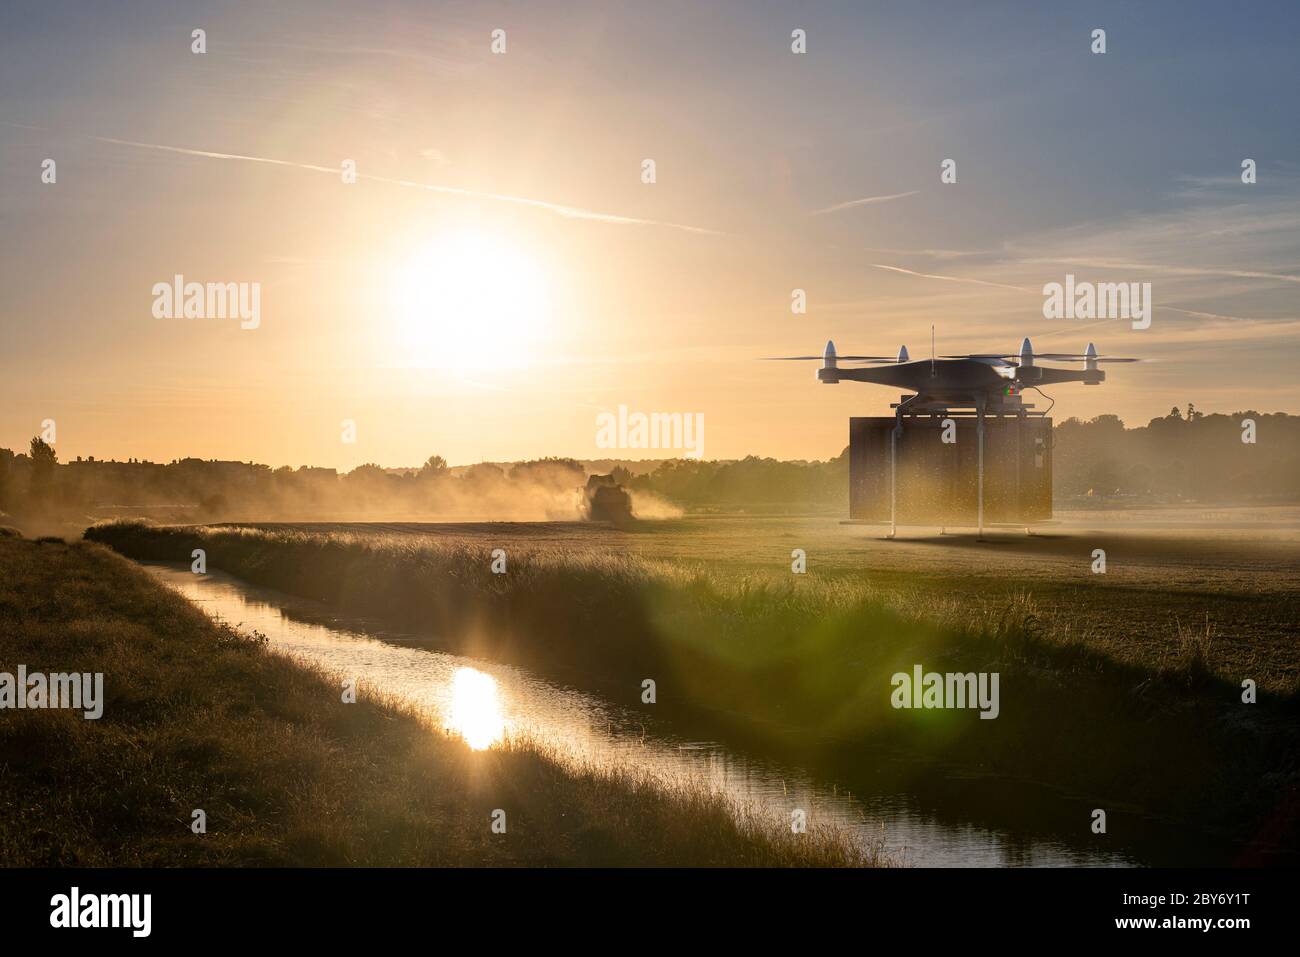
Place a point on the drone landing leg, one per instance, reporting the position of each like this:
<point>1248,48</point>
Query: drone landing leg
<point>893,463</point>
<point>979,430</point>
<point>893,479</point>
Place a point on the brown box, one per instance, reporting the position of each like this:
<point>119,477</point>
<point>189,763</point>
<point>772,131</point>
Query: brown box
<point>938,481</point>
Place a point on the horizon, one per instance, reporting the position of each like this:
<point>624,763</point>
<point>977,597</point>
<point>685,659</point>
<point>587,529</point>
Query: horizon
<point>18,450</point>
<point>499,274</point>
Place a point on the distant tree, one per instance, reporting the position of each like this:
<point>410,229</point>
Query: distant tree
<point>44,458</point>
<point>43,455</point>
<point>1174,414</point>
<point>1109,422</point>
<point>556,473</point>
<point>483,472</point>
<point>433,465</point>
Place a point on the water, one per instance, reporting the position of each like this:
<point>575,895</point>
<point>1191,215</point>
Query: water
<point>484,702</point>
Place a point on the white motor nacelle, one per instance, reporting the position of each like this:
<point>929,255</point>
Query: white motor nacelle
<point>1026,353</point>
<point>902,354</point>
<point>826,373</point>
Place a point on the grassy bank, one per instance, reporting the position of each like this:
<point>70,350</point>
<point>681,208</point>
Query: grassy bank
<point>198,715</point>
<point>1167,735</point>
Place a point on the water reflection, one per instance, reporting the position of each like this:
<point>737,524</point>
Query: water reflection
<point>475,712</point>
<point>485,702</point>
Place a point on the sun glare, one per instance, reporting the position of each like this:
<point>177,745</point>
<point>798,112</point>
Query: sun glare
<point>475,712</point>
<point>469,301</point>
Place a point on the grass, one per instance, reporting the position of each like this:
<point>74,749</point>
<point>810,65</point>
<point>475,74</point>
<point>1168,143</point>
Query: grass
<point>1245,577</point>
<point>200,715</point>
<point>1168,734</point>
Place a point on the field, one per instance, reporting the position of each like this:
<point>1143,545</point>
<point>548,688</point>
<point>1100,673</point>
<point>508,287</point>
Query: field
<point>1125,687</point>
<point>201,716</point>
<point>1231,574</point>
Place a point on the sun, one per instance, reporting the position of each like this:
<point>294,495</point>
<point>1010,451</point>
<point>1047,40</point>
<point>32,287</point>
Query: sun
<point>468,300</point>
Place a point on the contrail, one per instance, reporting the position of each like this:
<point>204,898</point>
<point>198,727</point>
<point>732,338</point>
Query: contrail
<point>211,155</point>
<point>927,275</point>
<point>1073,330</point>
<point>569,212</point>
<point>1174,270</point>
<point>866,201</point>
<point>1215,315</point>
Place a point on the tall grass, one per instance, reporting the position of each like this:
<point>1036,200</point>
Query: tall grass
<point>200,715</point>
<point>801,652</point>
<point>1196,644</point>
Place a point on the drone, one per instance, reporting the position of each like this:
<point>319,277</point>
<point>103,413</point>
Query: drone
<point>986,382</point>
<point>943,484</point>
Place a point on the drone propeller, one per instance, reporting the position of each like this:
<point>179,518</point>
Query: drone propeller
<point>819,358</point>
<point>1050,356</point>
<point>1025,357</point>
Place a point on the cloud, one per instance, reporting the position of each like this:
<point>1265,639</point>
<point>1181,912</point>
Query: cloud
<point>1221,266</point>
<point>569,212</point>
<point>931,253</point>
<point>1163,268</point>
<point>1218,330</point>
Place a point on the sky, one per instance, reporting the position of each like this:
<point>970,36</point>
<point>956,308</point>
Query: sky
<point>500,273</point>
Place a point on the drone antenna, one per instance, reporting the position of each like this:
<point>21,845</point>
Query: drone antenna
<point>932,350</point>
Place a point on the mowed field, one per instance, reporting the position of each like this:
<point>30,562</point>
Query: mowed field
<point>1231,575</point>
